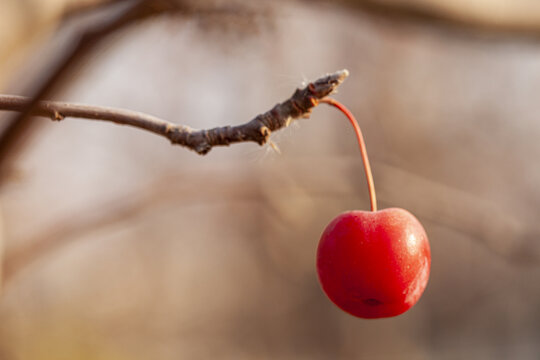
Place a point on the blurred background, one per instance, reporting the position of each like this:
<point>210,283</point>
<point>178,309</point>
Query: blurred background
<point>118,245</point>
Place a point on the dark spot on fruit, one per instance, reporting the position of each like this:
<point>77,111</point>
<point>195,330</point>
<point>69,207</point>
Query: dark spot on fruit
<point>372,302</point>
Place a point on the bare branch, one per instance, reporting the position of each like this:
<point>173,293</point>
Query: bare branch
<point>117,15</point>
<point>200,141</point>
<point>19,124</point>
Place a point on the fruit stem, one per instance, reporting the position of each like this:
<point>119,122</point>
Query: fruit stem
<point>362,145</point>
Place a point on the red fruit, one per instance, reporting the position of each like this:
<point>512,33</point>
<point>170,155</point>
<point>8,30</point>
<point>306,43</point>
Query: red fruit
<point>374,264</point>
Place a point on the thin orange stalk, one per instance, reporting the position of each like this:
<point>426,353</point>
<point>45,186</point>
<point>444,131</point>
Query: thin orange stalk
<point>362,145</point>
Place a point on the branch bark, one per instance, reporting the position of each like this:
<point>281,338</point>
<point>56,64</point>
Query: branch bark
<point>201,141</point>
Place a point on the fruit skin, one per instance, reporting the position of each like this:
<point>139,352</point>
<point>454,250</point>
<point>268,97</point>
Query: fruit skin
<point>374,264</point>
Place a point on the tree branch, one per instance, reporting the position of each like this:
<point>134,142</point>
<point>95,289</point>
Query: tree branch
<point>17,126</point>
<point>200,141</point>
<point>117,14</point>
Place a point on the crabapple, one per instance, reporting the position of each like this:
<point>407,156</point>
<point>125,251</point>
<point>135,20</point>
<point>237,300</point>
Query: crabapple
<point>373,264</point>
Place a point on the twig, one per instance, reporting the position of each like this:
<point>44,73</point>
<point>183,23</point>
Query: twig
<point>200,141</point>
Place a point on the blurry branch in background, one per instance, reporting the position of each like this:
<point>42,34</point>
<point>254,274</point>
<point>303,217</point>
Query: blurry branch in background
<point>116,15</point>
<point>485,223</point>
<point>19,124</point>
<point>500,18</point>
<point>177,188</point>
<point>201,141</point>
<point>64,232</point>
<point>76,8</point>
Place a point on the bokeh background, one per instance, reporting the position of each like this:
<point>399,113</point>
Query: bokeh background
<point>118,245</point>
